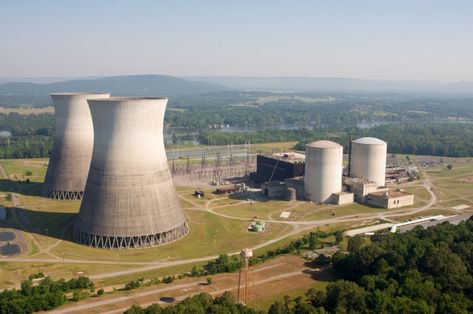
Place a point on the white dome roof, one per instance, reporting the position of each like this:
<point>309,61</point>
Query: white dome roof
<point>324,144</point>
<point>369,141</point>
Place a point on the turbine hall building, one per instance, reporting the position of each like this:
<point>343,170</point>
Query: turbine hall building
<point>72,149</point>
<point>129,199</point>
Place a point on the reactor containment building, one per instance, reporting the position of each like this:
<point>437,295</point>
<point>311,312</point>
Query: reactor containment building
<point>129,199</point>
<point>72,149</point>
<point>368,159</point>
<point>324,169</point>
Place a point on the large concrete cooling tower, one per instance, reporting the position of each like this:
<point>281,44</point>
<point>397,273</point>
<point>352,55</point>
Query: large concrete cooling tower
<point>368,159</point>
<point>129,200</point>
<point>323,170</point>
<point>72,148</point>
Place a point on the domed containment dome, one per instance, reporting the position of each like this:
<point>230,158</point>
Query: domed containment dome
<point>129,199</point>
<point>368,159</point>
<point>323,170</point>
<point>72,149</point>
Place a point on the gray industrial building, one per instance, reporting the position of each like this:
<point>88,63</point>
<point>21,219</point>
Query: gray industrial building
<point>72,149</point>
<point>129,199</point>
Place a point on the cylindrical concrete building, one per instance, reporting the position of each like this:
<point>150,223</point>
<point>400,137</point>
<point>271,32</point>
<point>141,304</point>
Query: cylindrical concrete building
<point>72,149</point>
<point>368,159</point>
<point>323,170</point>
<point>129,200</point>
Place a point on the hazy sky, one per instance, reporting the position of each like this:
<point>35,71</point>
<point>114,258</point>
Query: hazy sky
<point>379,39</point>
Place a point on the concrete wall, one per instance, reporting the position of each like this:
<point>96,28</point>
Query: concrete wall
<point>343,198</point>
<point>390,202</point>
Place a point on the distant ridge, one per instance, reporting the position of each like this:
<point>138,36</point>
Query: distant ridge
<point>126,85</point>
<point>327,84</point>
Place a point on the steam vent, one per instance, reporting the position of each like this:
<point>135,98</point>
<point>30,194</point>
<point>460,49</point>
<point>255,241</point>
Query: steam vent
<point>72,148</point>
<point>129,199</point>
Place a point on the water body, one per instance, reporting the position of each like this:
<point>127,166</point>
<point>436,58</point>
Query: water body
<point>371,124</point>
<point>168,133</point>
<point>268,127</point>
<point>10,249</point>
<point>7,236</point>
<point>3,213</point>
<point>5,133</point>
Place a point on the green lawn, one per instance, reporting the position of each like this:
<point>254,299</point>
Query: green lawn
<point>17,168</point>
<point>209,235</point>
<point>260,210</point>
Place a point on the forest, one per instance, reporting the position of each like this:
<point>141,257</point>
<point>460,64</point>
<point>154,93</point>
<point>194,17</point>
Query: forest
<point>420,271</point>
<point>410,124</point>
<point>439,139</point>
<point>46,295</point>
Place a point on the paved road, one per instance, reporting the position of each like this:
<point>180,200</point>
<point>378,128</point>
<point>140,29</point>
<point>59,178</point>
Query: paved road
<point>298,226</point>
<point>91,305</point>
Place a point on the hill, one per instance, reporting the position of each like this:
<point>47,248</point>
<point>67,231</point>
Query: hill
<point>25,93</point>
<point>331,85</point>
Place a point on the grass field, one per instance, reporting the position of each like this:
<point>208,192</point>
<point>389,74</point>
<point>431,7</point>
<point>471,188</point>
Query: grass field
<point>261,210</point>
<point>209,234</point>
<point>17,168</point>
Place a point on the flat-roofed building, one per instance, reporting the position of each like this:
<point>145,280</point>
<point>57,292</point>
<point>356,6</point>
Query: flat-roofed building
<point>391,199</point>
<point>362,187</point>
<point>278,167</point>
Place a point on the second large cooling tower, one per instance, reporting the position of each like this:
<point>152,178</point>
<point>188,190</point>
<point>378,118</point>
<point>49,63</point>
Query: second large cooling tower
<point>129,200</point>
<point>72,149</point>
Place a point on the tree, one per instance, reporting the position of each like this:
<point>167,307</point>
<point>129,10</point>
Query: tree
<point>345,295</point>
<point>312,241</point>
<point>278,308</point>
<point>195,272</point>
<point>338,236</point>
<point>26,287</point>
<point>209,281</point>
<point>100,292</point>
<point>135,309</point>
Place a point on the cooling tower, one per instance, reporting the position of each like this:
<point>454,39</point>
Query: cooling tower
<point>368,159</point>
<point>72,148</point>
<point>129,199</point>
<point>323,170</point>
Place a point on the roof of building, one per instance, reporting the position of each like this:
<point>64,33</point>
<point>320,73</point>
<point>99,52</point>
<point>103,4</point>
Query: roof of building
<point>374,228</point>
<point>454,220</point>
<point>361,180</point>
<point>369,141</point>
<point>390,194</point>
<point>324,144</point>
<point>289,157</point>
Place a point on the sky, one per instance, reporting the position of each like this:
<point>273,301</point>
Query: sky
<point>378,39</point>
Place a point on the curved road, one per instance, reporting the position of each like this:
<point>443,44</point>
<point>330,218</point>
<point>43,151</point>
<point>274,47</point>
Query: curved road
<point>298,226</point>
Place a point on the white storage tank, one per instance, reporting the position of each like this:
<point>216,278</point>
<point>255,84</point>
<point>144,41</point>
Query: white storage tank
<point>323,170</point>
<point>368,159</point>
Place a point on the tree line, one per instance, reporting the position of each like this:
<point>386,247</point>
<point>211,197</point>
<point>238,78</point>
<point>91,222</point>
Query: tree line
<point>420,271</point>
<point>438,139</point>
<point>46,295</point>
